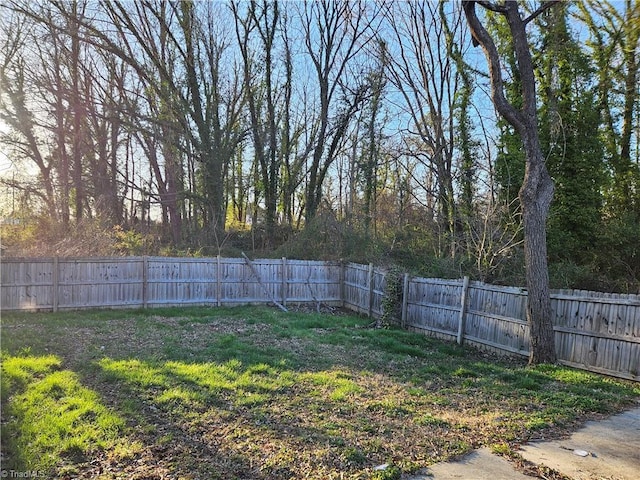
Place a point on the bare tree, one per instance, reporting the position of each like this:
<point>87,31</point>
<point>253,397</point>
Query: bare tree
<point>35,103</point>
<point>335,34</point>
<point>537,189</point>
<point>261,31</point>
<point>178,52</point>
<point>74,97</point>
<point>425,77</point>
<point>15,111</point>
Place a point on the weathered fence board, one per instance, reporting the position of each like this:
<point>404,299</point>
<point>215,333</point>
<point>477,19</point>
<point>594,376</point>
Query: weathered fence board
<point>496,317</point>
<point>92,283</point>
<point>594,331</point>
<point>27,285</point>
<point>178,281</point>
<point>598,331</point>
<point>72,283</point>
<point>318,281</point>
<point>363,289</point>
<point>355,289</point>
<point>434,306</point>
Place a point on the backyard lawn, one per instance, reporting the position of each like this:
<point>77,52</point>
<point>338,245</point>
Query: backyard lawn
<point>256,393</point>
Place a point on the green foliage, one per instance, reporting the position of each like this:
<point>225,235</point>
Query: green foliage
<point>501,448</point>
<point>569,275</point>
<point>392,299</point>
<point>390,472</point>
<point>128,242</point>
<point>329,238</point>
<point>568,113</point>
<point>15,236</point>
<point>619,261</point>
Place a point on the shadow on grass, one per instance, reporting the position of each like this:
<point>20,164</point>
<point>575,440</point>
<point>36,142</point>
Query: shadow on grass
<point>262,421</point>
<point>59,428</point>
<point>255,393</point>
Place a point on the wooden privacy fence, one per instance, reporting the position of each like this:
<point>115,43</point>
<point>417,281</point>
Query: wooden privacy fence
<point>74,283</point>
<point>594,331</point>
<point>363,289</point>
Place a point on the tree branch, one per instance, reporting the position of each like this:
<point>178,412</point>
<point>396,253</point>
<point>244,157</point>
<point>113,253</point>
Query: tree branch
<point>545,6</point>
<point>481,37</point>
<point>494,7</point>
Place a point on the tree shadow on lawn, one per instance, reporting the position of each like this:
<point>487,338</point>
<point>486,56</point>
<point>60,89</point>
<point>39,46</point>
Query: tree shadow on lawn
<point>262,395</point>
<point>56,425</point>
<point>353,399</point>
<point>261,421</point>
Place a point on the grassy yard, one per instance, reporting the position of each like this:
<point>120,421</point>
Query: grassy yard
<point>255,393</point>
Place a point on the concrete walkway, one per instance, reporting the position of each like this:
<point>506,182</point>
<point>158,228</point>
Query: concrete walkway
<point>601,450</point>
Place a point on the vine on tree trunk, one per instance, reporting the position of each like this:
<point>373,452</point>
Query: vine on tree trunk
<point>392,299</point>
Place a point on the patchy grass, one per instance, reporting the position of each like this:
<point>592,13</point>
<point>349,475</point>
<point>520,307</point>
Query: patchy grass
<point>53,420</point>
<point>256,393</point>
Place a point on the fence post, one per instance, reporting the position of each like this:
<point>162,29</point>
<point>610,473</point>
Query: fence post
<point>56,281</point>
<point>463,310</point>
<point>370,309</point>
<point>145,281</point>
<point>342,280</point>
<point>285,276</point>
<point>218,282</point>
<point>405,300</point>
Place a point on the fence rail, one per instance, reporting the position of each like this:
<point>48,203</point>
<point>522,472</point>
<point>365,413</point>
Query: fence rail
<point>593,331</point>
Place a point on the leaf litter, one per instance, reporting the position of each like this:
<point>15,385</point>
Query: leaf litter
<point>330,411</point>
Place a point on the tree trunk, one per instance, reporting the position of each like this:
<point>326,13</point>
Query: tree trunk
<point>537,189</point>
<point>535,197</point>
<point>78,115</point>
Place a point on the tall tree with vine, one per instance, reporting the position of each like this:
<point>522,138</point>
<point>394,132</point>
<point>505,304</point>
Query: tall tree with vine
<point>568,113</point>
<point>537,188</point>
